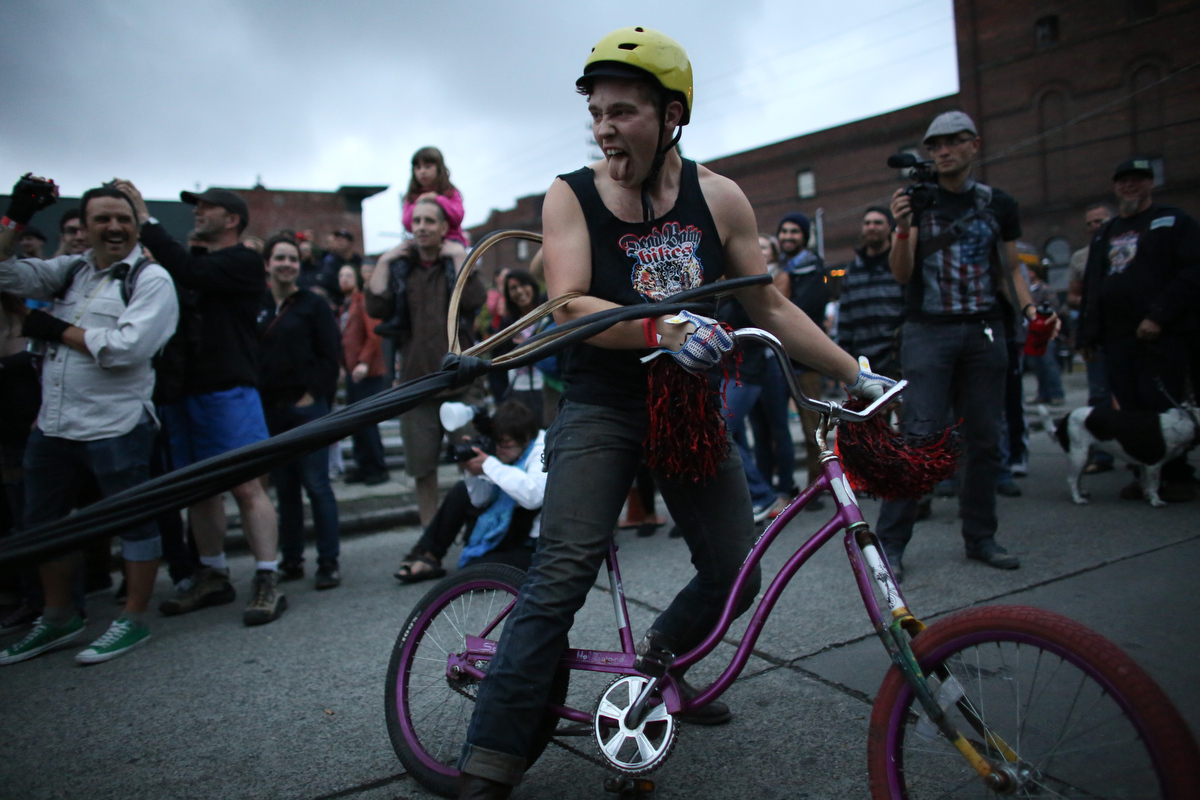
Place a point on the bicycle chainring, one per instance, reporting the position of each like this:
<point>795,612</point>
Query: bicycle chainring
<point>638,750</point>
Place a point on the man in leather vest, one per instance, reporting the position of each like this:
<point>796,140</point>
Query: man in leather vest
<point>958,257</point>
<point>413,294</point>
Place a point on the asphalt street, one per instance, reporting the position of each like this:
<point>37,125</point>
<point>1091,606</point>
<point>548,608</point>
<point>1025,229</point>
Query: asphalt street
<point>294,709</point>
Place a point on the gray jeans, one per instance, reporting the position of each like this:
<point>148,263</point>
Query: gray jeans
<point>954,372</point>
<point>592,454</point>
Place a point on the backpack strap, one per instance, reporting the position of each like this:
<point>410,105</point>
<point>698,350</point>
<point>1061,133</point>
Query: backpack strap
<point>128,276</point>
<point>72,270</point>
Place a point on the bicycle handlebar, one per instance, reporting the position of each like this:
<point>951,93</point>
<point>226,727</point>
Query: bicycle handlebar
<point>835,411</point>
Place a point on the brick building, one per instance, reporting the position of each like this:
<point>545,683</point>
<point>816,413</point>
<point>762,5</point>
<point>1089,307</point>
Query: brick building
<point>1061,90</point>
<point>271,210</point>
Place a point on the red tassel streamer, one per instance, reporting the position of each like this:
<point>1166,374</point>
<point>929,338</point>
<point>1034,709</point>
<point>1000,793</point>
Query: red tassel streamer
<point>882,462</point>
<point>686,438</point>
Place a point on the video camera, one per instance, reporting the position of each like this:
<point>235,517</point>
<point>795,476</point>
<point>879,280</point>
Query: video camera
<point>922,192</point>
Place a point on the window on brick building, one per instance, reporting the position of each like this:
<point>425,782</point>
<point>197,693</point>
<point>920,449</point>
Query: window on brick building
<point>806,183</point>
<point>1045,31</point>
<point>1140,9</point>
<point>522,250</point>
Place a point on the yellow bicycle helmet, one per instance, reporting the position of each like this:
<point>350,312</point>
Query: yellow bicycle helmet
<point>635,52</point>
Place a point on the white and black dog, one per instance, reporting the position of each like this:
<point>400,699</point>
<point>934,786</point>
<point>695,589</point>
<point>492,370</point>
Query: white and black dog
<point>1139,437</point>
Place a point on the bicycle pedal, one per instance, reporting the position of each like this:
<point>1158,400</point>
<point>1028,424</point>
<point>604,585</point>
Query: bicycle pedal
<point>629,787</point>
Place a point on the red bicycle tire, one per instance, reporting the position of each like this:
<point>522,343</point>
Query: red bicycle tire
<point>1170,747</point>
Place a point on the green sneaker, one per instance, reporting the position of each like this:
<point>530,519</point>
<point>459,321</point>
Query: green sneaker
<point>43,637</point>
<point>121,637</point>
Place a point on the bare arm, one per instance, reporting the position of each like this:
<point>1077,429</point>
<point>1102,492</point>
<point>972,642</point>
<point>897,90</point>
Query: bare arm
<point>903,253</point>
<point>801,337</point>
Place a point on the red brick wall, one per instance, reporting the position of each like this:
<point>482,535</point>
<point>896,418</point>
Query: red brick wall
<point>272,210</point>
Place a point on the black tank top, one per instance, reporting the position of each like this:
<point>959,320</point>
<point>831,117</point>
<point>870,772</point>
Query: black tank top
<point>638,262</point>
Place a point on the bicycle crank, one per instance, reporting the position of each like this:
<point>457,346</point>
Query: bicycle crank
<point>629,746</point>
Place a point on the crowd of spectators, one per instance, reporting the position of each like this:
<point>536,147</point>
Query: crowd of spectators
<point>127,354</point>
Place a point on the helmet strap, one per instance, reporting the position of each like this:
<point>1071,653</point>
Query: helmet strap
<point>656,166</point>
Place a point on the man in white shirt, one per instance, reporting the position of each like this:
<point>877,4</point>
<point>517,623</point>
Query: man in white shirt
<point>111,309</point>
<point>502,493</point>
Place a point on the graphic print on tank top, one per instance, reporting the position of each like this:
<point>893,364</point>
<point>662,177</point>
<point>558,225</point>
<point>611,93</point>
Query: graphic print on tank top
<point>666,261</point>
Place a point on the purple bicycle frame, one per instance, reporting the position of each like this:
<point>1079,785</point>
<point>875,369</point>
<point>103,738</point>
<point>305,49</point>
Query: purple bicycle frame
<point>848,516</point>
<point>870,567</point>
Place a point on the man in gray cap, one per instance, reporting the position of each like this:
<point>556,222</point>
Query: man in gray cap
<point>955,249</point>
<point>210,374</point>
<point>1141,288</point>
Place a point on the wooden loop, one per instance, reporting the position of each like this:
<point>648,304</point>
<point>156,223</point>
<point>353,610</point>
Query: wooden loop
<point>464,273</point>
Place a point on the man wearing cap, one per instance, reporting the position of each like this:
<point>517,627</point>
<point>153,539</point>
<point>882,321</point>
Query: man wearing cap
<point>1141,291</point>
<point>871,306</point>
<point>30,243</point>
<point>957,258</point>
<point>807,289</point>
<point>221,284</point>
<point>638,226</point>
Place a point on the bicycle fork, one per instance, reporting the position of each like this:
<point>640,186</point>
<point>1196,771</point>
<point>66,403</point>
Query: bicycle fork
<point>866,557</point>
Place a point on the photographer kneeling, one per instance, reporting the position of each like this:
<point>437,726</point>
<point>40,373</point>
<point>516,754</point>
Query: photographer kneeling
<point>500,495</point>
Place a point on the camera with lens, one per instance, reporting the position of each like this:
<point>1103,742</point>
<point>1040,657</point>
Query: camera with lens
<point>922,192</point>
<point>462,451</point>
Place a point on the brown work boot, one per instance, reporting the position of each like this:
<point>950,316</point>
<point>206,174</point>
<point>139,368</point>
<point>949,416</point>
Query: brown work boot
<point>473,787</point>
<point>207,587</point>
<point>267,602</point>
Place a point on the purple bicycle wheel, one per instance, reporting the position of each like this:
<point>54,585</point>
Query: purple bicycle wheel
<point>1078,717</point>
<point>428,712</point>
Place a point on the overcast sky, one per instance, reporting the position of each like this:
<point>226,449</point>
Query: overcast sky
<point>314,95</point>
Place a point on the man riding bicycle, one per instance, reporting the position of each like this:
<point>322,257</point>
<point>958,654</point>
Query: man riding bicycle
<point>636,227</point>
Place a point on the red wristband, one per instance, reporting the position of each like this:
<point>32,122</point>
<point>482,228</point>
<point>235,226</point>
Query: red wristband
<point>902,236</point>
<point>8,223</point>
<point>650,332</point>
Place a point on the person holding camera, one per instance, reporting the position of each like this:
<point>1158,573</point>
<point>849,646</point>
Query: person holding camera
<point>500,497</point>
<point>955,249</point>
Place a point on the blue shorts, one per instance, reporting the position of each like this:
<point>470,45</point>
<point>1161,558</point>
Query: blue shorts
<point>205,425</point>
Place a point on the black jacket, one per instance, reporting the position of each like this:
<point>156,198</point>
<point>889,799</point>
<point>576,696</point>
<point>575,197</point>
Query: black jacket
<point>1161,281</point>
<point>216,344</point>
<point>301,348</point>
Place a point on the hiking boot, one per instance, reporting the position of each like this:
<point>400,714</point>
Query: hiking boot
<point>715,713</point>
<point>209,587</point>
<point>327,575</point>
<point>19,618</point>
<point>121,637</point>
<point>994,555</point>
<point>290,570</point>
<point>267,602</point>
<point>43,637</point>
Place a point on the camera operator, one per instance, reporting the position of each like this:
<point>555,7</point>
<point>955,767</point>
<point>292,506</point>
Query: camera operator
<point>502,493</point>
<point>955,249</point>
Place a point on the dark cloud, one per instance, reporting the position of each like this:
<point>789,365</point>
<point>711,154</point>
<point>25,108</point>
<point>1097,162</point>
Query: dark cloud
<point>313,94</point>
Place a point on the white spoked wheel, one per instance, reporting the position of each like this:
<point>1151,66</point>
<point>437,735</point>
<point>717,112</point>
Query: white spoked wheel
<point>637,749</point>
